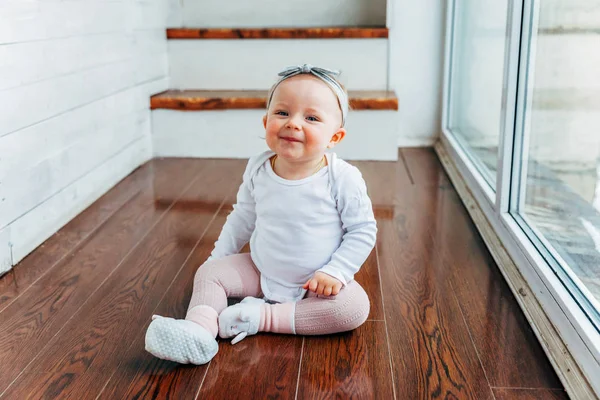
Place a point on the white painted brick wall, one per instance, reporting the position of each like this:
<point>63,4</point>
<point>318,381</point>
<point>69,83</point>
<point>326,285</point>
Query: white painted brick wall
<point>75,83</point>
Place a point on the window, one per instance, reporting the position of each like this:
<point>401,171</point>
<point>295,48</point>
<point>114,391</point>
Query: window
<point>559,197</point>
<point>476,81</point>
<point>521,121</point>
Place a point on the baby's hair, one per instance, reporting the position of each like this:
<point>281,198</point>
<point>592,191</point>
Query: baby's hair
<point>326,75</point>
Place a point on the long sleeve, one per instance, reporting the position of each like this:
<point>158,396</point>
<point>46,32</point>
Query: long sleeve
<point>360,228</point>
<point>240,223</point>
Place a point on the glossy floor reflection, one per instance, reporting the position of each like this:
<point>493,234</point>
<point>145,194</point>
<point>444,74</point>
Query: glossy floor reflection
<point>443,322</point>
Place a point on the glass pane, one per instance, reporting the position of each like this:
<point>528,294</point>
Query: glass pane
<point>479,41</point>
<point>561,199</point>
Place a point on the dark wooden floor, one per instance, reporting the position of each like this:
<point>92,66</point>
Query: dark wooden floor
<point>443,322</point>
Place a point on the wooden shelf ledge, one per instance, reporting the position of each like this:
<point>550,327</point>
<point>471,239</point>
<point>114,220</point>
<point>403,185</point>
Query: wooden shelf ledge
<point>278,33</point>
<point>196,100</point>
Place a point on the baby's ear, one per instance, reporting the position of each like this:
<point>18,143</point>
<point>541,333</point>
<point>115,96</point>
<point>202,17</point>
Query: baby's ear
<point>265,121</point>
<point>337,137</point>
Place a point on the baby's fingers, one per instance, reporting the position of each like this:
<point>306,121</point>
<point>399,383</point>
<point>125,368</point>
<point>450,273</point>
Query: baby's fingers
<point>313,284</point>
<point>336,289</point>
<point>321,288</point>
<point>328,290</point>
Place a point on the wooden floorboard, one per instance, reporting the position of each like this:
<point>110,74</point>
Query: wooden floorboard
<point>443,322</point>
<point>368,278</point>
<point>141,375</point>
<point>86,333</point>
<point>423,166</point>
<point>385,180</point>
<point>529,394</point>
<point>264,366</point>
<point>350,365</point>
<point>34,318</point>
<point>70,236</point>
<point>102,330</point>
<point>432,353</point>
<point>509,351</point>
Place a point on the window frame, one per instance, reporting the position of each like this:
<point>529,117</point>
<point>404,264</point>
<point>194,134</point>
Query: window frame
<point>572,323</point>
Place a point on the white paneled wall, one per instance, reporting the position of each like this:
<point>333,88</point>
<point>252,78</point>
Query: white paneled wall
<point>75,83</point>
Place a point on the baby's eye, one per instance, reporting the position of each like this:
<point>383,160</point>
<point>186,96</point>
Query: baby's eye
<point>280,112</point>
<point>312,118</point>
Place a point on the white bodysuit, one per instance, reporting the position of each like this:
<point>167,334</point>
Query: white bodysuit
<point>298,227</point>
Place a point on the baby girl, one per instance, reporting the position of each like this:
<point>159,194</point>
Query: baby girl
<point>310,225</point>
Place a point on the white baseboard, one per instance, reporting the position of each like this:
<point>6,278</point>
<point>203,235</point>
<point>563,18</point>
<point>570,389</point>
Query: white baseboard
<point>254,64</point>
<point>371,135</point>
<point>5,251</point>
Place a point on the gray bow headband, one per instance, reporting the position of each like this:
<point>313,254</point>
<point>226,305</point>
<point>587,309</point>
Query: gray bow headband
<point>324,74</point>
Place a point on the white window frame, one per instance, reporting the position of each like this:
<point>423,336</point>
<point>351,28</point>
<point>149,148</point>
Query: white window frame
<point>576,330</point>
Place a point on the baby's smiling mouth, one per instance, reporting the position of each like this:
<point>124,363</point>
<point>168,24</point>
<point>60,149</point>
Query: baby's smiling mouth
<point>290,139</point>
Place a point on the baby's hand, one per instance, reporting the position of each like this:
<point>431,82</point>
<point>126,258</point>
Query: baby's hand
<point>321,283</point>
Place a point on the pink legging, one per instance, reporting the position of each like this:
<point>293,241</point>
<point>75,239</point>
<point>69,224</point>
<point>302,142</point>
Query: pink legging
<point>236,276</point>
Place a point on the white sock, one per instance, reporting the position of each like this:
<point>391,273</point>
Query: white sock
<point>180,340</point>
<point>241,319</point>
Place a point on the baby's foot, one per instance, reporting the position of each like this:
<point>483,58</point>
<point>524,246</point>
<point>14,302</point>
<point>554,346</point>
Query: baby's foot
<point>180,340</point>
<point>240,320</point>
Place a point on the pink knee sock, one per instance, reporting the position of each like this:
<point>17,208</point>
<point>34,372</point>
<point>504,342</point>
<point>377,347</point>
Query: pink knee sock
<point>277,318</point>
<point>205,316</point>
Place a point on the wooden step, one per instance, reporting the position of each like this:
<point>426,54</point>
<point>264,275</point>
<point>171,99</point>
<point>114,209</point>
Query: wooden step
<point>279,33</point>
<point>195,100</point>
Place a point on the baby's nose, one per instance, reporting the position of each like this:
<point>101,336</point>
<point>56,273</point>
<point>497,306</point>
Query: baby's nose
<point>293,123</point>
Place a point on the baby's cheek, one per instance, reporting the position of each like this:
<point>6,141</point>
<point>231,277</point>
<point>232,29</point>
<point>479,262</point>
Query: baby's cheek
<point>271,135</point>
<point>314,144</point>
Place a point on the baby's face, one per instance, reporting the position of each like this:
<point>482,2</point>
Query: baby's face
<point>303,119</point>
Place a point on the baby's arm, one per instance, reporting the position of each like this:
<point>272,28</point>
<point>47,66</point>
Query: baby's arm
<point>358,222</point>
<point>240,223</point>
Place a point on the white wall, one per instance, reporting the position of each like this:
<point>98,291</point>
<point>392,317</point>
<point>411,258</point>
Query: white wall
<point>276,13</point>
<point>417,37</point>
<point>75,82</point>
<point>215,64</point>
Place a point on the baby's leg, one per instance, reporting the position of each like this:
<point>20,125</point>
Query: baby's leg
<point>215,281</point>
<point>193,340</point>
<point>318,315</point>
